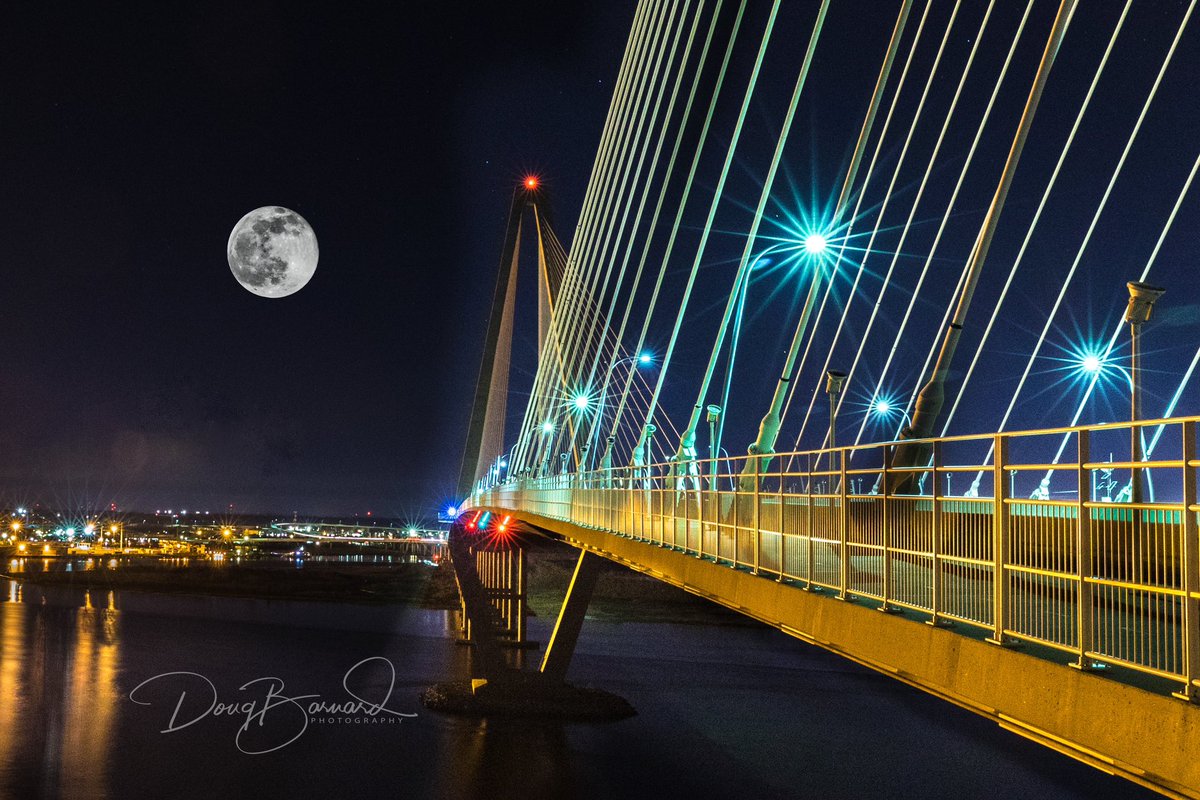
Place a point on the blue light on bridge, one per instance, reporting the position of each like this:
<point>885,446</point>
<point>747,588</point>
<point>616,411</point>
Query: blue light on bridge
<point>1089,367</point>
<point>1094,364</point>
<point>887,409</point>
<point>815,244</point>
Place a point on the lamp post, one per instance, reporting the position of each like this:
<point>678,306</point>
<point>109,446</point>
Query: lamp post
<point>763,447</point>
<point>642,359</point>
<point>714,416</point>
<point>1137,313</point>
<point>687,440</point>
<point>834,381</point>
<point>651,429</point>
<point>547,433</point>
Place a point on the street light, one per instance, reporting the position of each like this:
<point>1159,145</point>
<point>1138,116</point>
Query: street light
<point>714,416</point>
<point>1141,302</point>
<point>642,359</point>
<point>735,303</point>
<point>650,429</point>
<point>547,432</point>
<point>815,246</point>
<point>834,381</point>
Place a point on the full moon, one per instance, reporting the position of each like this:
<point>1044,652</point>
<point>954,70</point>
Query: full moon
<point>272,251</point>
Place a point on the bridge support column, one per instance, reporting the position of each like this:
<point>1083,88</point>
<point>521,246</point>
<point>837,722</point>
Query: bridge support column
<point>570,619</point>
<point>482,617</point>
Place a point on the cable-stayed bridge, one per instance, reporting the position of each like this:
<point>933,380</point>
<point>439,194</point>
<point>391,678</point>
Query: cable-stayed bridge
<point>910,263</point>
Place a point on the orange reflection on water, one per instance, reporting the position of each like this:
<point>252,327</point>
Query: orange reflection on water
<point>58,696</point>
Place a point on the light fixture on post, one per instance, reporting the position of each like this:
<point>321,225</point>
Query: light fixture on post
<point>1141,302</point>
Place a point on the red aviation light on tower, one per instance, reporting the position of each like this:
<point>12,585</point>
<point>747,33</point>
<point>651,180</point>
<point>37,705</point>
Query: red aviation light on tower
<point>531,182</point>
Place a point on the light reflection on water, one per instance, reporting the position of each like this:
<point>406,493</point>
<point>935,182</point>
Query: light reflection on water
<point>58,684</point>
<point>723,712</point>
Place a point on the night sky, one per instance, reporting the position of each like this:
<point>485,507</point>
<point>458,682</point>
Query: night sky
<point>137,370</point>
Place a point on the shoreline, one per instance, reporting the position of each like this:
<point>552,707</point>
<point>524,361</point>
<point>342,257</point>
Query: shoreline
<point>621,596</point>
<point>414,584</point>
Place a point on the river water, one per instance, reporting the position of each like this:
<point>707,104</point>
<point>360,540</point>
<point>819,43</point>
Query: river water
<point>109,694</point>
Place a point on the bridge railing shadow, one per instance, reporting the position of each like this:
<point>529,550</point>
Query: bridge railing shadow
<point>1031,536</point>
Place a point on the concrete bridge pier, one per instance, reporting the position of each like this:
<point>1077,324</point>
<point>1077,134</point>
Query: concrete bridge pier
<point>570,618</point>
<point>495,687</point>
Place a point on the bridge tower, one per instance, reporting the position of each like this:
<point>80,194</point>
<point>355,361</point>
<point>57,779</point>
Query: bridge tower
<point>485,431</point>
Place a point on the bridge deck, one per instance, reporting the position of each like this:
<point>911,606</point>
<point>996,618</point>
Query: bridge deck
<point>1146,736</point>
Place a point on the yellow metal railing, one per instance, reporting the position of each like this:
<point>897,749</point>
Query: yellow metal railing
<point>1112,583</point>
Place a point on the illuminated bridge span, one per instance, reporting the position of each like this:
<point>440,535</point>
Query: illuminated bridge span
<point>878,261</point>
<point>357,533</point>
<point>428,544</point>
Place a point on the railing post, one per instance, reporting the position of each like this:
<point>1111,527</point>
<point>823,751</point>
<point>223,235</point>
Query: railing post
<point>782,523</point>
<point>687,517</point>
<point>843,527</point>
<point>757,514</point>
<point>1190,553</point>
<point>736,492</point>
<point>999,541</point>
<point>700,514</point>
<point>935,545</point>
<point>1083,551</point>
<point>808,511</point>
<point>574,510</point>
<point>887,538</point>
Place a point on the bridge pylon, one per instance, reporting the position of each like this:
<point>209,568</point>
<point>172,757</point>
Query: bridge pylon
<point>489,410</point>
